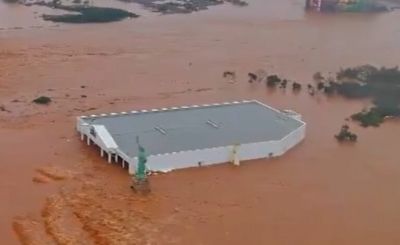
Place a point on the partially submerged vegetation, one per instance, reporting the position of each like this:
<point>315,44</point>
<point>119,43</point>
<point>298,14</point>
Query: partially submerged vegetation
<point>184,6</point>
<point>80,11</point>
<point>345,135</point>
<point>83,12</point>
<point>296,86</point>
<point>89,14</point>
<point>42,100</point>
<point>274,81</point>
<point>381,85</point>
<point>371,117</point>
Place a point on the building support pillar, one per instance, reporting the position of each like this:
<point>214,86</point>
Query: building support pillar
<point>109,158</point>
<point>235,158</point>
<point>131,168</point>
<point>88,140</point>
<point>101,152</point>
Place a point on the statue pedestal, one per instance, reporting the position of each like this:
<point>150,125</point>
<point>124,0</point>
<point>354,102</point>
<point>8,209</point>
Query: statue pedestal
<point>141,186</point>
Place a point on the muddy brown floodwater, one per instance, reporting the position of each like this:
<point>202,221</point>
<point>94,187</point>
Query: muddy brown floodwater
<point>56,190</point>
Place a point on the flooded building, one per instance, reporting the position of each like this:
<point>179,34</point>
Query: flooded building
<point>345,6</point>
<point>198,135</point>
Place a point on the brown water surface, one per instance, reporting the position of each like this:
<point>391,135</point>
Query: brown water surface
<point>319,193</point>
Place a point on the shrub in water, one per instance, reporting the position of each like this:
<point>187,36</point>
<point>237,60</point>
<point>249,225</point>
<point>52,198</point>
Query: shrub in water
<point>42,100</point>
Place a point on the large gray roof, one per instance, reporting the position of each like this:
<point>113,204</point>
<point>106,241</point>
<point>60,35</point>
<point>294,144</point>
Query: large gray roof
<point>196,127</point>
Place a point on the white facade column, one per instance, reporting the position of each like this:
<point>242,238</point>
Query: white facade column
<point>116,157</point>
<point>101,152</point>
<point>109,158</point>
<point>88,140</point>
<point>131,168</point>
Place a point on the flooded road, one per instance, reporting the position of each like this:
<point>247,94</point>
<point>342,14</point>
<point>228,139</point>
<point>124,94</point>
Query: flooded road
<point>319,193</point>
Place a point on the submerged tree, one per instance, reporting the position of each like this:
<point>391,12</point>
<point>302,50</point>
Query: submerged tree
<point>284,83</point>
<point>42,100</point>
<point>273,81</point>
<point>318,77</point>
<point>381,85</point>
<point>296,87</point>
<point>345,135</point>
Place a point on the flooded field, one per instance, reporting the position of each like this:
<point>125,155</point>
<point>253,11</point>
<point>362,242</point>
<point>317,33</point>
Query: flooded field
<point>55,190</point>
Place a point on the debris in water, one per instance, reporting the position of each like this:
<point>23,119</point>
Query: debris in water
<point>252,77</point>
<point>3,108</point>
<point>53,173</point>
<point>229,74</point>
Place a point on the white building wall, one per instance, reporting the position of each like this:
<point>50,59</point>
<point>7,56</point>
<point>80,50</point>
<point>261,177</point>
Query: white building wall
<point>293,138</point>
<point>186,159</point>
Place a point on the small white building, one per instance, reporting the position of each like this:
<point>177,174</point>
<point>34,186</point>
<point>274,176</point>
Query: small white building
<point>197,135</point>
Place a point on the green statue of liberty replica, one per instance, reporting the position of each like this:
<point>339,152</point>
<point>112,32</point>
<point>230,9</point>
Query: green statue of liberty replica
<point>140,181</point>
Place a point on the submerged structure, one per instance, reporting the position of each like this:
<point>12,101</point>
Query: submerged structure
<point>345,6</point>
<point>189,136</point>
